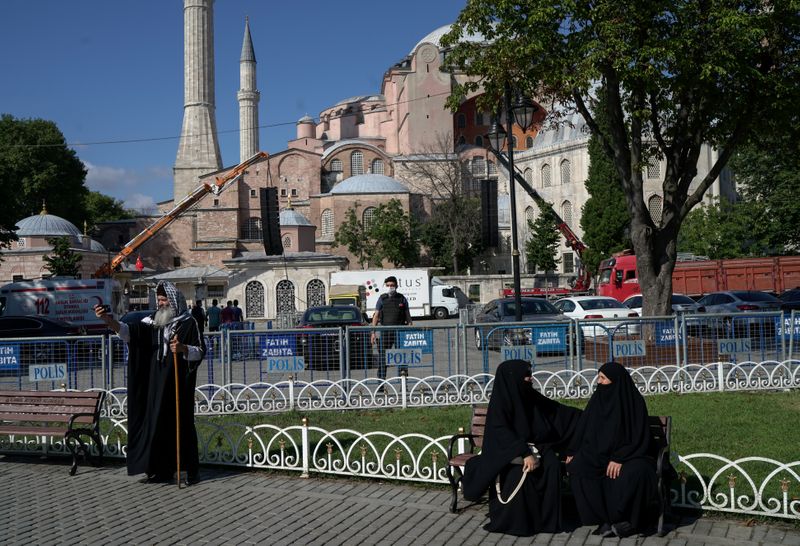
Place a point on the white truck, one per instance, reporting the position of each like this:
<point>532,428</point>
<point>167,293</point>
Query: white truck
<point>426,295</point>
<point>67,299</point>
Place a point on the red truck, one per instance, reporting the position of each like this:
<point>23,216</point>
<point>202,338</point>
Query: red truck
<point>619,278</point>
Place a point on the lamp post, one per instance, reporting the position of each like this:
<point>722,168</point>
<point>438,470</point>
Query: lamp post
<point>522,111</point>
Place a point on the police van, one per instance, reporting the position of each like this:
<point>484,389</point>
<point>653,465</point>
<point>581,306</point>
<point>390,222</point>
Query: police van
<point>67,299</point>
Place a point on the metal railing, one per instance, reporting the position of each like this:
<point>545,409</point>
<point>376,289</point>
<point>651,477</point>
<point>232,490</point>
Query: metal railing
<point>750,485</point>
<point>374,354</point>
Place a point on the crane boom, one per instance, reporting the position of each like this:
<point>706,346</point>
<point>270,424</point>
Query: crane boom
<point>583,280</point>
<point>220,184</point>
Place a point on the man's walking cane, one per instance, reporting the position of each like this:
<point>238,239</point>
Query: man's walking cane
<point>177,419</point>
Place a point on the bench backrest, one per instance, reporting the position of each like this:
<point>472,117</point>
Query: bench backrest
<point>660,429</point>
<point>478,426</point>
<point>55,406</point>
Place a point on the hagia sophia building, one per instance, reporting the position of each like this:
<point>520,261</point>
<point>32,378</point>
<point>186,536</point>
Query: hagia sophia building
<point>360,152</point>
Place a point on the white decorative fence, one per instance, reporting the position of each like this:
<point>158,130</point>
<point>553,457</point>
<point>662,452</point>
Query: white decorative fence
<point>751,485</point>
<point>403,392</point>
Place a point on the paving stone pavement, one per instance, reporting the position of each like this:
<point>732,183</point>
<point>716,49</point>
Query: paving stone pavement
<point>41,504</point>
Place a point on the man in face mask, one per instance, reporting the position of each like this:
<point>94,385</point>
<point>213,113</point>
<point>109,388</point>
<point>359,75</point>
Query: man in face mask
<point>391,310</point>
<point>172,330</point>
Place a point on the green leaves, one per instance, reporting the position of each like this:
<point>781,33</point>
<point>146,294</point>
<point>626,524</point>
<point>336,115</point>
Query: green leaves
<point>62,262</point>
<point>541,248</point>
<point>390,236</point>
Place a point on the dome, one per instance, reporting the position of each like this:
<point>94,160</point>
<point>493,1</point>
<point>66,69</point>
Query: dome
<point>306,119</point>
<point>96,246</point>
<point>572,129</point>
<point>360,98</point>
<point>369,183</point>
<point>290,217</point>
<point>44,224</point>
<point>436,36</point>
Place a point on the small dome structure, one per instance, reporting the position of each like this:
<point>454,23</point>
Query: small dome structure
<point>306,119</point>
<point>96,246</point>
<point>368,183</point>
<point>46,225</point>
<point>290,217</point>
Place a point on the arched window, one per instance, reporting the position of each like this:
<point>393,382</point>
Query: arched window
<point>287,242</point>
<point>254,300</point>
<point>251,228</point>
<point>461,121</point>
<point>356,163</point>
<point>566,212</point>
<point>529,176</point>
<point>479,141</point>
<point>529,142</point>
<point>565,172</point>
<point>479,118</point>
<point>653,168</point>
<point>656,207</point>
<point>367,217</point>
<point>377,166</point>
<point>530,215</point>
<point>336,166</point>
<point>326,233</point>
<point>462,140</point>
<point>284,297</point>
<point>478,166</point>
<point>315,293</point>
<point>514,142</point>
<point>545,175</point>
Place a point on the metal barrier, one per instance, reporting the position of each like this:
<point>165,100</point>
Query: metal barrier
<point>360,353</point>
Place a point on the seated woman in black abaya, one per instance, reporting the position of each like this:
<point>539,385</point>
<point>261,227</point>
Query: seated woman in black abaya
<point>611,475</point>
<point>517,415</point>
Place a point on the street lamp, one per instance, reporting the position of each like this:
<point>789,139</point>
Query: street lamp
<point>522,112</point>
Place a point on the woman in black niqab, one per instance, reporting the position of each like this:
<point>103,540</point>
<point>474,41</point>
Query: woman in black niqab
<point>517,415</point>
<point>611,474</point>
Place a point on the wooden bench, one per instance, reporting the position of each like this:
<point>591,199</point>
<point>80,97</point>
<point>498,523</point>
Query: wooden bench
<point>69,415</point>
<point>456,461</point>
<point>660,430</point>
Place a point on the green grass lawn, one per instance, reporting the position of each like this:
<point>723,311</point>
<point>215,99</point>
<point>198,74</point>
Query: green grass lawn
<point>732,425</point>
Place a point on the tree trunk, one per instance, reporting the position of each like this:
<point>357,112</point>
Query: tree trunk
<point>655,260</point>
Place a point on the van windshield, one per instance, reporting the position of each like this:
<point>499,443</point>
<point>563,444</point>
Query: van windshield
<point>605,276</point>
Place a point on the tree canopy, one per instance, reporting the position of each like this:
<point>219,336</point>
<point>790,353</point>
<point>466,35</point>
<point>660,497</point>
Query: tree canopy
<point>541,248</point>
<point>391,236</point>
<point>36,166</point>
<point>677,75</point>
<point>605,219</point>
<point>62,261</point>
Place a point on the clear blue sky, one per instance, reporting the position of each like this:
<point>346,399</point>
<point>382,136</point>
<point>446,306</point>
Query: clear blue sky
<point>106,70</point>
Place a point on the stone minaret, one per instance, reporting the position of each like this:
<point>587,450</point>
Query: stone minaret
<point>198,150</point>
<point>248,97</point>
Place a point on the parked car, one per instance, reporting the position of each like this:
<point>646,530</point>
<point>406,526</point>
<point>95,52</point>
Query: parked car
<point>733,302</point>
<point>321,350</point>
<point>504,310</point>
<point>598,307</point>
<point>132,317</point>
<point>31,326</point>
<point>680,304</point>
<point>790,300</point>
<point>18,355</point>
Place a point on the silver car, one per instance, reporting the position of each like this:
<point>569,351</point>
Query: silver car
<point>734,302</point>
<point>489,333</point>
<point>679,303</point>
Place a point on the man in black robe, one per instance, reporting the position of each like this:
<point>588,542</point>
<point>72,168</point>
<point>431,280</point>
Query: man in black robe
<point>152,342</point>
<point>518,415</point>
<point>611,474</point>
